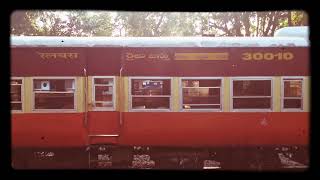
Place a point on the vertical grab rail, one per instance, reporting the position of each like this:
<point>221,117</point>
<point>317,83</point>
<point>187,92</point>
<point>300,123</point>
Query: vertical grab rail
<point>120,94</point>
<point>85,97</point>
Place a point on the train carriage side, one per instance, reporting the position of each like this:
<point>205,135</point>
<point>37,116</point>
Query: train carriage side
<point>55,114</point>
<point>225,100</point>
<point>240,98</point>
<point>219,94</point>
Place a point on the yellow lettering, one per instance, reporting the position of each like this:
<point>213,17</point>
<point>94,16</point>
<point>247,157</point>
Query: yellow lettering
<point>246,56</point>
<point>257,56</point>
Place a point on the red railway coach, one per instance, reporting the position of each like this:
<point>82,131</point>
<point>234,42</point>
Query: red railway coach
<point>79,102</point>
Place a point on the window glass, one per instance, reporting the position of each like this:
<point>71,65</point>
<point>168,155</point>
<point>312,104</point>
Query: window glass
<point>105,81</point>
<point>292,103</point>
<point>292,88</point>
<point>251,103</point>
<point>151,102</point>
<point>150,93</point>
<point>201,93</point>
<point>292,96</point>
<point>54,93</point>
<point>16,94</point>
<point>103,92</point>
<point>150,87</point>
<point>252,88</point>
<point>252,94</point>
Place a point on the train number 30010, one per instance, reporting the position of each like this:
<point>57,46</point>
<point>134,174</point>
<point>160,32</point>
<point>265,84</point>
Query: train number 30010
<point>267,56</point>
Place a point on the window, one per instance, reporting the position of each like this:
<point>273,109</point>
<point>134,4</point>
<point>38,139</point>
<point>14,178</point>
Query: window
<point>103,93</point>
<point>150,93</point>
<point>201,93</point>
<point>292,96</point>
<point>252,93</point>
<point>16,94</point>
<point>55,93</point>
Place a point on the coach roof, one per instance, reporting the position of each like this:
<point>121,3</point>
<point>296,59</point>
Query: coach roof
<point>55,41</point>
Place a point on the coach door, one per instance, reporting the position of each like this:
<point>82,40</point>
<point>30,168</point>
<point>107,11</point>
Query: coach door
<point>102,117</point>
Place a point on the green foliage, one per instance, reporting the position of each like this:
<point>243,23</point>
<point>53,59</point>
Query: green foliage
<point>148,24</point>
<point>24,23</point>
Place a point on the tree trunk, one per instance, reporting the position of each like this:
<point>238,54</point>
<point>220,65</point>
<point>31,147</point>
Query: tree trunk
<point>270,23</point>
<point>237,25</point>
<point>289,19</point>
<point>156,30</point>
<point>304,21</point>
<point>246,23</point>
<point>275,24</point>
<point>263,23</point>
<point>258,19</point>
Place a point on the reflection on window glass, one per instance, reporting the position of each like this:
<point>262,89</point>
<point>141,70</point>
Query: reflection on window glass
<point>16,106</point>
<point>54,93</point>
<point>292,88</point>
<point>61,85</point>
<point>292,103</point>
<point>150,87</point>
<point>15,92</point>
<point>105,81</point>
<point>292,94</point>
<point>251,103</point>
<point>252,88</point>
<point>54,100</point>
<point>150,93</point>
<point>103,92</point>
<point>151,102</point>
<point>252,94</point>
<point>201,83</point>
<point>201,93</point>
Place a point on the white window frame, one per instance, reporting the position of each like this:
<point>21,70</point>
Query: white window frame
<point>22,93</point>
<point>203,109</point>
<point>149,110</point>
<point>94,93</point>
<point>301,78</point>
<point>55,110</point>
<point>232,79</point>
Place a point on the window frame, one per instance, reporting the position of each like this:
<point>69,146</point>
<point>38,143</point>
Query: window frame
<point>203,109</point>
<point>257,78</point>
<point>22,94</point>
<point>55,110</point>
<point>150,78</point>
<point>94,94</point>
<point>301,78</point>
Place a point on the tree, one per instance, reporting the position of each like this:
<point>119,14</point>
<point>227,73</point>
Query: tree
<point>24,23</point>
<point>148,24</point>
<point>145,24</point>
<point>60,23</point>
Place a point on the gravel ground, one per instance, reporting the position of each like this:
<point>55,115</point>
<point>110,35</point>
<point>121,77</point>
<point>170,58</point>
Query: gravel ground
<point>142,161</point>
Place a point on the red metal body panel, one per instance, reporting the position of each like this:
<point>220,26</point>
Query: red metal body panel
<point>162,129</point>
<point>103,123</point>
<point>108,61</point>
<point>215,129</point>
<point>234,66</point>
<point>103,61</point>
<point>48,130</point>
<point>28,62</point>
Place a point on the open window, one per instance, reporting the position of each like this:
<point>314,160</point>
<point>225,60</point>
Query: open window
<point>292,93</point>
<point>150,93</point>
<point>54,93</point>
<point>249,94</point>
<point>201,93</point>
<point>16,89</point>
<point>103,91</point>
